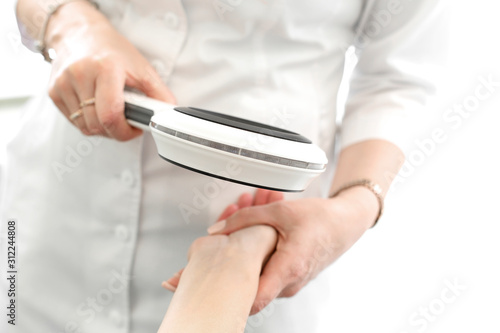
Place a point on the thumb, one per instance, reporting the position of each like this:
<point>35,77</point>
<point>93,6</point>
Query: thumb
<point>244,218</point>
<point>271,283</point>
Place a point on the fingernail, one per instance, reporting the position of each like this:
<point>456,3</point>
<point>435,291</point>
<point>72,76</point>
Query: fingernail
<point>172,279</point>
<point>217,227</point>
<point>168,286</point>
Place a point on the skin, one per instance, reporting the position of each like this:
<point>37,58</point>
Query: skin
<point>220,282</point>
<point>93,59</point>
<point>314,232</point>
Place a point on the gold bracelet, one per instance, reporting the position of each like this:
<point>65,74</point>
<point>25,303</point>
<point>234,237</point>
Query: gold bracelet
<point>375,188</point>
<point>49,54</point>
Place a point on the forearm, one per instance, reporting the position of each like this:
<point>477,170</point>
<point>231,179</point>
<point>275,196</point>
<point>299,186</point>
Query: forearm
<point>376,160</point>
<point>212,299</point>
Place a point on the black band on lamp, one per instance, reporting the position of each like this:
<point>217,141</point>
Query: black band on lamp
<point>138,113</point>
<point>243,124</point>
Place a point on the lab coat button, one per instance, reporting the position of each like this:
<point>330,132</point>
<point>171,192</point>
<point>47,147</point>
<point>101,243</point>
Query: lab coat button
<point>121,232</point>
<point>171,20</point>
<point>127,178</point>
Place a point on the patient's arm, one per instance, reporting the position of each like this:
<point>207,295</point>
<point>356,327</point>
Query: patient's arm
<point>218,286</point>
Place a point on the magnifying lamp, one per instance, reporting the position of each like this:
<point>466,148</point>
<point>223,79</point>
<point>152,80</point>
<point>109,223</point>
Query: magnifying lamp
<point>213,144</point>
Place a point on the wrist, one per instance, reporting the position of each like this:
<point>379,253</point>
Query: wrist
<point>71,20</point>
<point>241,268</point>
<point>224,255</point>
<point>362,202</point>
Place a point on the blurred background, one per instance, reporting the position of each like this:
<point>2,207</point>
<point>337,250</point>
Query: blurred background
<point>432,262</point>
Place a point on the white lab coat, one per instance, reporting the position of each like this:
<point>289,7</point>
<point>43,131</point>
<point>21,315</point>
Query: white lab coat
<point>102,223</point>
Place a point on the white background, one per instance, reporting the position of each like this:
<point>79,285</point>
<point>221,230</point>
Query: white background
<point>442,221</point>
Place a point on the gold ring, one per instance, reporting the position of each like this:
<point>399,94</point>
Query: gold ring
<point>76,114</point>
<point>87,102</point>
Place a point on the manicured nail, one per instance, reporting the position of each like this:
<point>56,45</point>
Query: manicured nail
<point>217,227</point>
<point>168,286</point>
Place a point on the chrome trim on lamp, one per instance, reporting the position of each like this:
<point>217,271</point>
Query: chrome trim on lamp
<point>239,151</point>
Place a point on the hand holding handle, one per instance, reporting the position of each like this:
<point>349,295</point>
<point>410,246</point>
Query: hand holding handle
<point>139,109</point>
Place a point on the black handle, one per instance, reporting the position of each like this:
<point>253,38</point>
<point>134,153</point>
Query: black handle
<point>138,113</point>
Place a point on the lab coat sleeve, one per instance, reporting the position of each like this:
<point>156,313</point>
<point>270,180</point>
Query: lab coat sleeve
<point>400,46</point>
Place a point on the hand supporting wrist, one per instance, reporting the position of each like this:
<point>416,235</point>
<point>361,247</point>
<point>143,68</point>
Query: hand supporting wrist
<point>248,248</point>
<point>220,282</point>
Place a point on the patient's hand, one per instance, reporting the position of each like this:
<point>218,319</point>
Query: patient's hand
<point>247,248</point>
<point>218,286</point>
<point>251,242</point>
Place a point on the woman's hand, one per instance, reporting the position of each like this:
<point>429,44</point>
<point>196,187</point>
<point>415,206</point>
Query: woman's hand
<point>94,61</point>
<point>313,233</point>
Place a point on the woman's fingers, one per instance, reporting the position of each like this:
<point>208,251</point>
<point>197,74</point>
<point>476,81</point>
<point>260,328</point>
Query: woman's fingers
<point>149,82</point>
<point>168,286</point>
<point>230,210</point>
<point>261,197</point>
<point>68,102</point>
<point>88,107</point>
<point>110,104</point>
<point>245,200</point>
<point>275,196</point>
<point>90,116</point>
<point>83,82</point>
<point>270,283</point>
<point>57,100</point>
<point>172,283</point>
